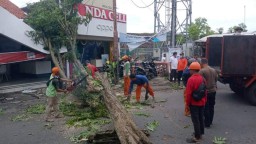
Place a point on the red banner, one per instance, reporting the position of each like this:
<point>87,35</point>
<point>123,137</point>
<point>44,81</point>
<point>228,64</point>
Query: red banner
<point>14,57</point>
<point>99,13</point>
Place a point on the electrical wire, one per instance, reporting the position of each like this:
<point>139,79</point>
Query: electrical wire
<point>142,6</point>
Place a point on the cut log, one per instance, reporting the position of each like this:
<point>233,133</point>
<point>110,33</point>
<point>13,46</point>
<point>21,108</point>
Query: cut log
<point>127,131</point>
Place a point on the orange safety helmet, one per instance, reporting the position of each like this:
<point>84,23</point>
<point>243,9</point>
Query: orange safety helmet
<point>55,70</point>
<point>125,57</point>
<point>194,66</point>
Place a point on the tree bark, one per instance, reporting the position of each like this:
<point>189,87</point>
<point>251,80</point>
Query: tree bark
<point>127,131</point>
<point>55,60</point>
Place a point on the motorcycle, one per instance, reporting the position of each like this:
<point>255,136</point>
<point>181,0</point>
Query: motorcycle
<point>148,69</point>
<point>153,66</point>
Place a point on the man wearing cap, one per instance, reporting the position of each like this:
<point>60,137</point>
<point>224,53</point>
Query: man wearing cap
<point>173,65</point>
<point>53,86</point>
<point>182,63</point>
<point>196,107</point>
<point>126,72</point>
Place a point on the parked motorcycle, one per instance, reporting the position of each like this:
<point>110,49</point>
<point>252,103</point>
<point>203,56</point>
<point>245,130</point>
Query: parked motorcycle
<point>148,69</point>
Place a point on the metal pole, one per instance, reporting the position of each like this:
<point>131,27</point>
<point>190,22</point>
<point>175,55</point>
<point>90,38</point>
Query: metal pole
<point>173,24</point>
<point>116,50</point>
<point>244,14</point>
<point>155,15</point>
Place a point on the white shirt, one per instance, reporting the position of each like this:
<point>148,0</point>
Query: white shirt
<point>174,62</point>
<point>163,59</point>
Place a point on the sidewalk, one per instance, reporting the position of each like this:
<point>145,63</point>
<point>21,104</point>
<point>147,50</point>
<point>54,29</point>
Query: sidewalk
<point>17,86</point>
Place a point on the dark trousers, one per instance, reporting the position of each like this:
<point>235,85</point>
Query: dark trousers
<point>197,116</point>
<point>179,76</point>
<point>173,75</point>
<point>209,109</point>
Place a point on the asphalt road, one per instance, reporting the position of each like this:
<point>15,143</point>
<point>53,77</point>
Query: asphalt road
<point>234,119</point>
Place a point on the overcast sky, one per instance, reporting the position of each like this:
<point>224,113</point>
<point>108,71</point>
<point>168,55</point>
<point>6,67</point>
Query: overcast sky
<point>219,13</point>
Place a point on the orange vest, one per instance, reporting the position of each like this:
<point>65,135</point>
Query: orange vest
<point>182,63</point>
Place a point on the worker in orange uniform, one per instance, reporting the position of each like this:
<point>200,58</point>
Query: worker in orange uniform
<point>92,68</point>
<point>126,72</point>
<point>182,63</point>
<point>196,106</point>
<point>141,81</point>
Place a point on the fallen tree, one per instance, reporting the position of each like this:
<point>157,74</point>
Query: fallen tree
<point>125,127</point>
<point>58,24</point>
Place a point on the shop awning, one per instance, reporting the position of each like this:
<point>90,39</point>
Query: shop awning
<point>14,57</point>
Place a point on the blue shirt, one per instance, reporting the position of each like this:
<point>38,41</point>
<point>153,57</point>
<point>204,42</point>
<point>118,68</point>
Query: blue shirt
<point>185,76</point>
<point>140,80</point>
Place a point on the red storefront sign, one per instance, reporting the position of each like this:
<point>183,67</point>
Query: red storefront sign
<point>14,57</point>
<point>99,13</point>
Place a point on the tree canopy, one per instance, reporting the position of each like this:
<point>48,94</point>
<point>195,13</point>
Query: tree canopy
<point>242,25</point>
<point>199,29</point>
<point>220,30</point>
<point>55,25</point>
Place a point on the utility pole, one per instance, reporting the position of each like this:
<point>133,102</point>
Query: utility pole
<point>173,23</point>
<point>116,50</point>
<point>244,13</point>
<point>155,15</point>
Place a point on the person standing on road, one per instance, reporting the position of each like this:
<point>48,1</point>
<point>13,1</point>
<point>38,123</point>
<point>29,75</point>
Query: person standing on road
<point>211,78</point>
<point>173,65</point>
<point>141,81</point>
<point>185,77</point>
<point>126,72</point>
<point>182,63</point>
<point>53,86</point>
<point>196,107</point>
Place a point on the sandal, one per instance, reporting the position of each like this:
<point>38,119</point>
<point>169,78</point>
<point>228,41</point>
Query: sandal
<point>192,140</point>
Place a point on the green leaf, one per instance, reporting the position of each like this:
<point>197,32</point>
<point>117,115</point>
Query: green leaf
<point>21,117</point>
<point>142,114</point>
<point>36,109</point>
<point>152,126</point>
<point>219,140</point>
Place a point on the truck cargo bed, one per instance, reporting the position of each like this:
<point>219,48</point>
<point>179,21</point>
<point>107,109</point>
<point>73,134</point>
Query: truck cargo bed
<point>239,55</point>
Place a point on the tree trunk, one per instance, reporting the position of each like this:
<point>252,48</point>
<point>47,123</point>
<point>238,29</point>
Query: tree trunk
<point>125,127</point>
<point>55,61</point>
<point>60,60</point>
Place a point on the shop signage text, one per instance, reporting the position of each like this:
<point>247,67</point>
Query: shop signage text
<point>99,13</point>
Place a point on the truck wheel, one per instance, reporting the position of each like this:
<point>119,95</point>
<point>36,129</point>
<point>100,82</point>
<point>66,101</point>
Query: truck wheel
<point>236,89</point>
<point>251,94</point>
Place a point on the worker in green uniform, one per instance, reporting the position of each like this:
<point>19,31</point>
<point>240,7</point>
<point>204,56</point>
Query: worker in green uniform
<point>53,86</point>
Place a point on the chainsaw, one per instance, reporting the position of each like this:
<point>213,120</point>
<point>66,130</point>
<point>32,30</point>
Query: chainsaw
<point>76,83</point>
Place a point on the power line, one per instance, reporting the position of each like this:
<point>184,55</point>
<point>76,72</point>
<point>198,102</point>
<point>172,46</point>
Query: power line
<point>142,6</point>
